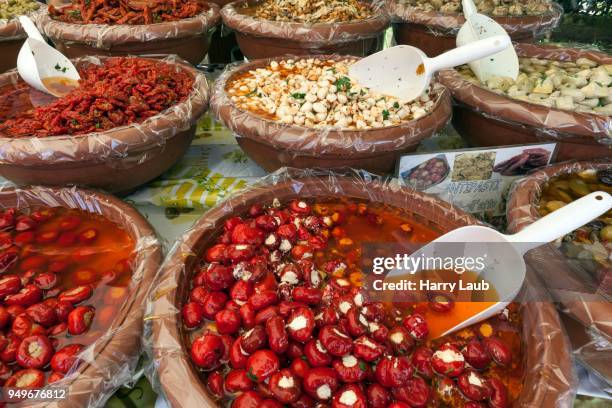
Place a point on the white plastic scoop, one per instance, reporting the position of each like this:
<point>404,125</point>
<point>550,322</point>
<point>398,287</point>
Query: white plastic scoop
<point>504,265</point>
<point>405,72</point>
<point>42,66</point>
<point>478,26</point>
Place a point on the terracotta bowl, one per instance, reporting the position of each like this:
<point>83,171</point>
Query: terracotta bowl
<point>273,145</point>
<point>435,32</point>
<point>545,344</point>
<point>485,118</point>
<point>117,160</point>
<point>265,39</point>
<point>578,296</point>
<point>12,37</point>
<point>188,38</point>
<point>110,354</point>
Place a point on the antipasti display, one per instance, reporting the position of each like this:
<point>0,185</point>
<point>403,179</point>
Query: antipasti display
<point>307,112</point>
<point>118,27</point>
<point>493,8</point>
<point>126,121</point>
<point>75,268</point>
<point>433,25</point>
<point>269,310</point>
<point>58,293</point>
<point>125,12</point>
<point>273,28</point>
<point>318,93</point>
<point>119,92</point>
<point>583,85</point>
<point>561,95</point>
<point>291,276</point>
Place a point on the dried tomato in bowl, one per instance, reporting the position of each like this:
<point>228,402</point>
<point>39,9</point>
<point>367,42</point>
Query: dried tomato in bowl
<point>120,91</point>
<point>125,11</point>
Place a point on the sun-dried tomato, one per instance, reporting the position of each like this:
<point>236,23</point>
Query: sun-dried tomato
<point>132,12</point>
<point>119,92</point>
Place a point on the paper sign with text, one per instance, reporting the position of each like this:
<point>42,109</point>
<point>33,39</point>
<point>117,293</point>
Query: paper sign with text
<point>475,180</point>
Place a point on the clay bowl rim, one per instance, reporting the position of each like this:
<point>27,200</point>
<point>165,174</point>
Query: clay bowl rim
<point>163,126</point>
<point>167,334</point>
<point>525,193</point>
<point>491,103</point>
<point>149,259</point>
<point>522,211</point>
<point>12,27</point>
<point>299,32</point>
<point>453,21</point>
<point>128,33</point>
<point>266,130</point>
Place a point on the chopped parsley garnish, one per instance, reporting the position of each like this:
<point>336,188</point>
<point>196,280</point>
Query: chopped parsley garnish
<point>343,83</point>
<point>298,95</point>
<point>396,105</point>
<point>385,114</point>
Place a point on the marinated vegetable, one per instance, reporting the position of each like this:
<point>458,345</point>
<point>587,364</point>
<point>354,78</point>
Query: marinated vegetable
<point>583,85</point>
<point>589,246</point>
<point>473,166</point>
<point>427,174</point>
<point>318,93</point>
<point>12,8</point>
<point>119,92</point>
<point>311,11</point>
<point>65,274</point>
<point>528,159</point>
<point>133,12</point>
<point>498,8</point>
<point>276,314</point>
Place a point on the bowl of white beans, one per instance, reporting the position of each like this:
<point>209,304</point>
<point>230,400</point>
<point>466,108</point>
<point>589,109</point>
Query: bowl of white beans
<point>306,112</point>
<point>561,95</point>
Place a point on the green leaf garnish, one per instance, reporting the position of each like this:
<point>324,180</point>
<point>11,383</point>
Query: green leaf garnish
<point>343,83</point>
<point>298,95</point>
<point>385,114</point>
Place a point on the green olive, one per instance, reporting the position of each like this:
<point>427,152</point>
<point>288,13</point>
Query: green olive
<point>606,233</point>
<point>561,195</point>
<point>13,8</point>
<point>554,205</point>
<point>579,187</point>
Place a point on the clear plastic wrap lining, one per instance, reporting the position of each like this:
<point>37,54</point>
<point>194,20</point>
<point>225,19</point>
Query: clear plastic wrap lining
<point>549,379</point>
<point>11,30</point>
<point>448,25</point>
<point>328,140</point>
<point>105,36</point>
<point>125,145</point>
<point>582,292</point>
<point>323,33</point>
<point>590,348</point>
<point>550,123</point>
<point>113,342</point>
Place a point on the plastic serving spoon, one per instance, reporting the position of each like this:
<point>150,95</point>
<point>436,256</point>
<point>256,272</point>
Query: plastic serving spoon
<point>504,265</point>
<point>42,66</point>
<point>505,63</point>
<point>405,72</point>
